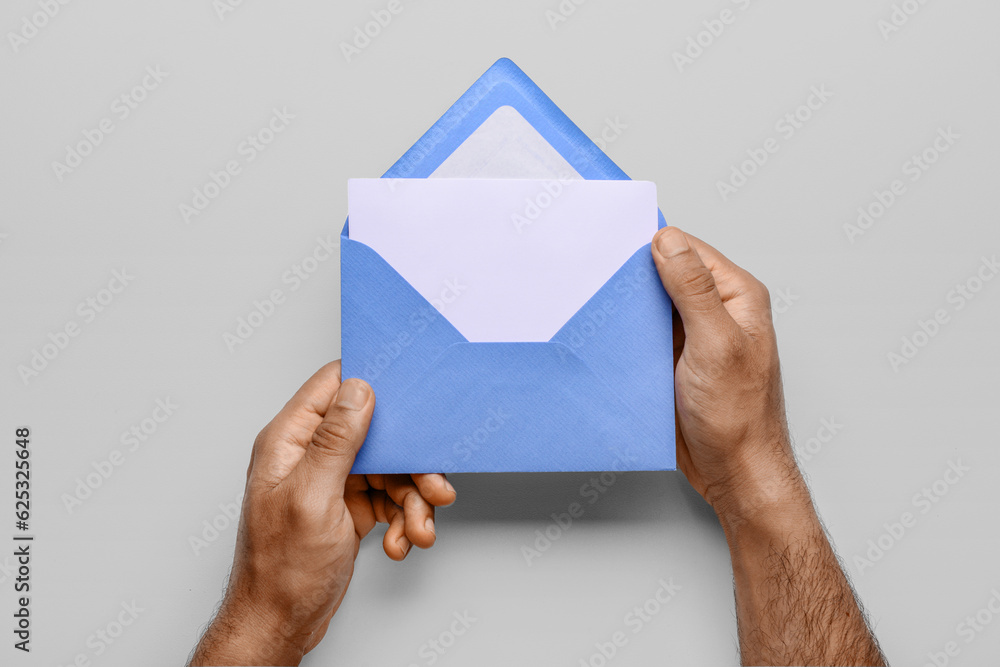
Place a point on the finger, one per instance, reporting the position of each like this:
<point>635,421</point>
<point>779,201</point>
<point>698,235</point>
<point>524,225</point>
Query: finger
<point>305,410</point>
<point>731,280</point>
<point>281,443</point>
<point>418,514</point>
<point>378,499</point>
<point>746,298</point>
<point>359,504</point>
<point>339,436</point>
<point>690,284</point>
<point>435,488</point>
<point>395,543</point>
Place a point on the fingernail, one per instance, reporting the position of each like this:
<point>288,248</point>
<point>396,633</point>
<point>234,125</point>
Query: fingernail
<point>404,544</point>
<point>353,395</point>
<point>671,243</point>
<point>429,525</point>
<point>448,486</point>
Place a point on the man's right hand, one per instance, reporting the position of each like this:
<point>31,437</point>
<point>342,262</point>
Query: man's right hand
<point>732,437</point>
<point>794,605</point>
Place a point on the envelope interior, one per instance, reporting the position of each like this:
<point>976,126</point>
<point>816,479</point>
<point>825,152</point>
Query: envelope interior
<point>506,146</point>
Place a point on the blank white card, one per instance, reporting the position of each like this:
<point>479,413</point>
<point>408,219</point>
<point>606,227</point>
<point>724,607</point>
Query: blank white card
<point>504,260</point>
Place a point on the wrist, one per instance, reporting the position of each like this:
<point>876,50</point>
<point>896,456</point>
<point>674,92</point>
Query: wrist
<point>766,493</point>
<point>244,634</point>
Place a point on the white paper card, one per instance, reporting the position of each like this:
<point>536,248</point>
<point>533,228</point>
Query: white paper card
<point>504,260</point>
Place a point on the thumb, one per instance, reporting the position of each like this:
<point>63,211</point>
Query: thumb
<point>338,438</point>
<point>689,282</point>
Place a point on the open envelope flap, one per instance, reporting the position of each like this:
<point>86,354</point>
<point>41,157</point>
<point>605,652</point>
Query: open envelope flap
<point>505,84</point>
<point>624,333</point>
<point>391,334</point>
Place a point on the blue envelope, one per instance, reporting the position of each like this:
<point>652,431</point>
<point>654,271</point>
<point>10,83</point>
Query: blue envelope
<point>597,396</point>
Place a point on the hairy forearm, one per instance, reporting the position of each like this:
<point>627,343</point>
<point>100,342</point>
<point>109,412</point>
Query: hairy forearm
<point>794,605</point>
<point>235,639</point>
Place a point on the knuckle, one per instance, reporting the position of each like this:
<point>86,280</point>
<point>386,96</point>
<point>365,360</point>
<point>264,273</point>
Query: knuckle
<point>762,292</point>
<point>262,437</point>
<point>334,436</point>
<point>698,282</point>
<point>410,497</point>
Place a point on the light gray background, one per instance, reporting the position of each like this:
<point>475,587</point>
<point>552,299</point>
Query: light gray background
<point>163,336</point>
